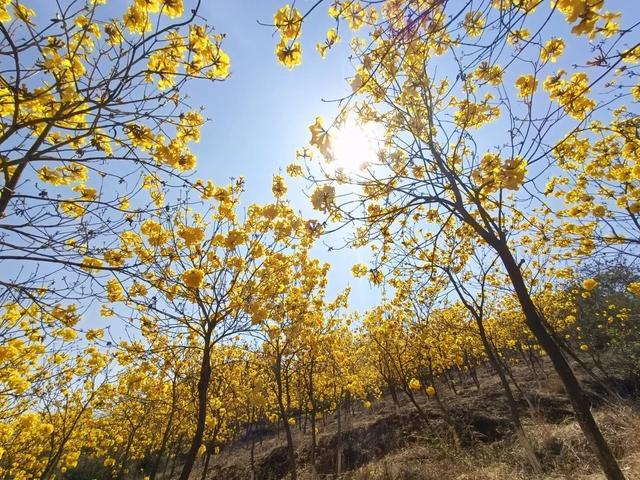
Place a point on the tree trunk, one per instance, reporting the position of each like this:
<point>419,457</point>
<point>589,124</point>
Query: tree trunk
<point>165,435</point>
<point>394,396</point>
<point>312,418</point>
<point>253,457</point>
<point>450,383</point>
<point>125,456</point>
<point>513,406</point>
<point>312,460</point>
<point>203,385</point>
<point>576,395</point>
<point>174,464</point>
<point>455,427</point>
<point>166,462</point>
<point>421,412</point>
<point>339,444</point>
<point>205,467</point>
<point>291,453</point>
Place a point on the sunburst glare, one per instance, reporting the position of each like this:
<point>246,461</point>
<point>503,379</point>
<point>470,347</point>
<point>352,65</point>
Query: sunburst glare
<point>354,145</point>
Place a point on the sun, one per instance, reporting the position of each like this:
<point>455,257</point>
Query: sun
<point>354,145</point>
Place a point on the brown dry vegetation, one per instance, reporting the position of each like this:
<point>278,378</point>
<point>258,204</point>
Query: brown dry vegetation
<point>391,443</point>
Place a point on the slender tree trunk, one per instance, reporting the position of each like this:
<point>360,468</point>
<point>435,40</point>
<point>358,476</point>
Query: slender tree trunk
<point>291,453</point>
<point>339,444</point>
<point>205,467</point>
<point>312,418</point>
<point>576,395</point>
<point>421,412</point>
<point>394,397</point>
<point>165,435</point>
<point>509,373</point>
<point>8,190</point>
<point>253,457</point>
<point>457,433</point>
<point>513,406</point>
<point>472,372</point>
<point>174,464</point>
<point>290,448</point>
<point>166,462</point>
<point>313,444</point>
<point>450,383</point>
<point>203,385</point>
<point>125,456</point>
<point>347,404</point>
<point>54,459</point>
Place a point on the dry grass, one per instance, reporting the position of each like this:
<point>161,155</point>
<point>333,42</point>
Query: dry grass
<point>564,453</point>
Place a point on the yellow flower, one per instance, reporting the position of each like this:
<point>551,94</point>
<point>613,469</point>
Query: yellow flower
<point>552,50</point>
<point>294,170</point>
<point>355,15</point>
<point>323,197</point>
<point>288,21</point>
<point>599,210</point>
<point>72,208</point>
<point>46,429</point>
<point>585,12</point>
<point>115,291</point>
<point>526,85</point>
<point>320,138</point>
<point>359,270</point>
<point>492,74</point>
<point>114,33</point>
<point>430,391</point>
<point>155,233</point>
<point>330,41</point>
<point>23,13</point>
<point>94,334</point>
<point>513,172</point>
<point>474,23</point>
<point>172,8</point>
<point>589,284</point>
<point>193,278</point>
<point>517,36</point>
<point>136,20</point>
<point>90,264</point>
<point>278,187</point>
<point>67,334</point>
<point>289,55</point>
<point>634,287</point>
<point>234,238</point>
<point>192,236</point>
<point>414,384</point>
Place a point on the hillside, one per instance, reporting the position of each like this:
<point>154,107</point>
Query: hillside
<point>389,442</point>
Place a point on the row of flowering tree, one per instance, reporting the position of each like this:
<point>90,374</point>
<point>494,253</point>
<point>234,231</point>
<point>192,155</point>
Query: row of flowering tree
<point>136,406</point>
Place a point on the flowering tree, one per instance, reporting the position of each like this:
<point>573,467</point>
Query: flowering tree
<point>90,103</point>
<point>208,276</point>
